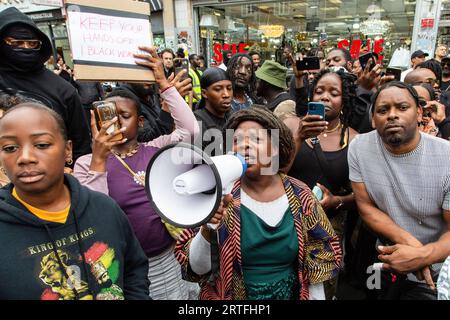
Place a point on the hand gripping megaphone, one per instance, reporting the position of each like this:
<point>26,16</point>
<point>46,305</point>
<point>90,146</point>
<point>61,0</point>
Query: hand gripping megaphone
<point>185,186</point>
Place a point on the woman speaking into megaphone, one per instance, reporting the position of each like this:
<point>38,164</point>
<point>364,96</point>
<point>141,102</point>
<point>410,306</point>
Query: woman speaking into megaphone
<point>117,167</point>
<point>274,240</point>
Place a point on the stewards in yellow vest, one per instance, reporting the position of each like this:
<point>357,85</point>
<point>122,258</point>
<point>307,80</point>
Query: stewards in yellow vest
<point>195,74</point>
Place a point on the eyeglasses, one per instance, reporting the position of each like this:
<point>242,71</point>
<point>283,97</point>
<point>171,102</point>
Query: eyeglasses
<point>445,63</point>
<point>24,44</point>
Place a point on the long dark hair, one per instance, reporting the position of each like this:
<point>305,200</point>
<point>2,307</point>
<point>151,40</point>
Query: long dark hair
<point>348,96</point>
<point>231,67</point>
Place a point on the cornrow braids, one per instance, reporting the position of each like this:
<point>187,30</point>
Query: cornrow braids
<point>348,96</point>
<point>268,121</point>
<point>231,67</point>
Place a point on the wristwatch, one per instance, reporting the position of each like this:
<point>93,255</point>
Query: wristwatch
<point>341,203</point>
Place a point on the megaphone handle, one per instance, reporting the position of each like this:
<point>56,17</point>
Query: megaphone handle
<point>213,236</point>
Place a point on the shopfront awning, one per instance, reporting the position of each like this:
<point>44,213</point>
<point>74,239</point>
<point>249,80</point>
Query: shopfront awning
<point>155,5</point>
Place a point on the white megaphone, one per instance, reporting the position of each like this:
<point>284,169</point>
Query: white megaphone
<point>185,186</point>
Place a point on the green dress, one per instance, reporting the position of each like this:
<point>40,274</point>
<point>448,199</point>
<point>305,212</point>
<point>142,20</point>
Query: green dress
<point>269,257</point>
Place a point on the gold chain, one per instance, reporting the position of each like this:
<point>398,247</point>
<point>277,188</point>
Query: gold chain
<point>140,179</point>
<point>130,153</point>
<point>332,130</point>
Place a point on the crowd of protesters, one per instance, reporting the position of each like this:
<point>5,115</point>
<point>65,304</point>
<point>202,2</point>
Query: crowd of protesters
<point>325,203</point>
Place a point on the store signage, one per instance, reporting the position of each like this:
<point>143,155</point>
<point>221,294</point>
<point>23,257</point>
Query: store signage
<point>51,3</point>
<point>217,47</point>
<point>427,23</point>
<point>355,48</point>
<point>104,35</point>
<point>26,6</point>
<point>46,15</point>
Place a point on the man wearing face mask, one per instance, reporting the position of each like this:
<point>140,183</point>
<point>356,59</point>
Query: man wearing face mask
<point>23,51</point>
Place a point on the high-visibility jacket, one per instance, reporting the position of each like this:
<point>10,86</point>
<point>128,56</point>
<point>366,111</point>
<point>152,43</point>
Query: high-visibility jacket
<point>196,88</point>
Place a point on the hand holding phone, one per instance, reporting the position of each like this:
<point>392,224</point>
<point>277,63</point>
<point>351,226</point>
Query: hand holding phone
<point>365,58</point>
<point>316,108</point>
<point>105,111</point>
<point>308,63</point>
<point>396,72</point>
<point>181,64</point>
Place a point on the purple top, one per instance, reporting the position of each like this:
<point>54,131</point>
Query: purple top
<point>131,197</point>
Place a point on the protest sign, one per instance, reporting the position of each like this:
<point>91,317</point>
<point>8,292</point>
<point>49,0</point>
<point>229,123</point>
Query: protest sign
<point>104,35</point>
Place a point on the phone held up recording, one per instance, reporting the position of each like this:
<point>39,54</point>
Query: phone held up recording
<point>106,111</point>
<point>316,108</point>
<point>181,64</point>
<point>365,58</point>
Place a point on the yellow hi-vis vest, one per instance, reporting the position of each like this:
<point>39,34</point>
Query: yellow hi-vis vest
<point>196,88</point>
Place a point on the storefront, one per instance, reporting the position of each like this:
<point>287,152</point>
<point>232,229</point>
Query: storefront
<point>269,26</point>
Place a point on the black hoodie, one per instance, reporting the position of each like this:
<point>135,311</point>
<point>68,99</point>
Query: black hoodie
<point>44,85</point>
<point>37,255</point>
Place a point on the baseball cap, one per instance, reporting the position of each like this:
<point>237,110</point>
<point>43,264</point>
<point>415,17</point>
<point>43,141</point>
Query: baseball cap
<point>419,53</point>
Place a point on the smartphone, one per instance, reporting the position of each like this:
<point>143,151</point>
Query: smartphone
<point>308,63</point>
<point>105,111</point>
<point>364,59</point>
<point>317,192</point>
<point>316,108</point>
<point>396,72</point>
<point>181,64</point>
<point>323,36</point>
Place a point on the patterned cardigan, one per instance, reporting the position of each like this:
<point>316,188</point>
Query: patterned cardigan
<point>319,252</point>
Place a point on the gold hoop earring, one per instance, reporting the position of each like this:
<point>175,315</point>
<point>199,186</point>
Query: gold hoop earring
<point>69,162</point>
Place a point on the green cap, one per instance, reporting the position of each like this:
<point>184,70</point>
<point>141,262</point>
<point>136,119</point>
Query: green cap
<point>273,73</point>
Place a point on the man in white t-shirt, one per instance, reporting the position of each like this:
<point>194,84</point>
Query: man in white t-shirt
<point>416,58</point>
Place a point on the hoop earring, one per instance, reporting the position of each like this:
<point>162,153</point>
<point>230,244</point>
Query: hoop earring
<point>69,162</point>
<point>3,170</point>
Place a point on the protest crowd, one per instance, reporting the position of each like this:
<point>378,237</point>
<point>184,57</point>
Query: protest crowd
<point>345,195</point>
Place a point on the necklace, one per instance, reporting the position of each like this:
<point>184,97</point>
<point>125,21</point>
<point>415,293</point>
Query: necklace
<point>332,130</point>
<point>132,151</point>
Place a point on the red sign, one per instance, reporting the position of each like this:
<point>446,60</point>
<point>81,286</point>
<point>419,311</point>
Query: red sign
<point>355,49</point>
<point>427,23</point>
<point>218,48</point>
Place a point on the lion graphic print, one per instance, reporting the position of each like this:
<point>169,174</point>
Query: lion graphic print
<point>61,273</point>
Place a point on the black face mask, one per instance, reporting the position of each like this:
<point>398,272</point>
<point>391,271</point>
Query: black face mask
<point>22,59</point>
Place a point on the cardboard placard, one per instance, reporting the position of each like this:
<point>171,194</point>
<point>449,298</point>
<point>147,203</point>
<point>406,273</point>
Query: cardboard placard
<point>103,36</point>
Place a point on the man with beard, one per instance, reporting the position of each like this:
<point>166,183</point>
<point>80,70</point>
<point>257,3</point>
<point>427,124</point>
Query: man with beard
<point>240,71</point>
<point>401,181</point>
<point>23,51</point>
<point>214,109</point>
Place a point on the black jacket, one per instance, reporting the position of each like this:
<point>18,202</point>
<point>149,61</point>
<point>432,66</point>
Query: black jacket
<point>44,85</point>
<point>36,254</point>
<point>157,122</point>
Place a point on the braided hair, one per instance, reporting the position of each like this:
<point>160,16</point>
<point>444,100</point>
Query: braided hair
<point>233,64</point>
<point>348,96</point>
